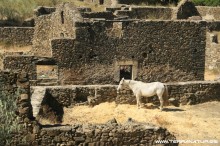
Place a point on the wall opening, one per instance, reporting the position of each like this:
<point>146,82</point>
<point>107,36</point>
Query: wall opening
<point>125,69</point>
<point>126,72</point>
<point>62,17</point>
<point>51,111</point>
<point>101,2</point>
<point>47,72</point>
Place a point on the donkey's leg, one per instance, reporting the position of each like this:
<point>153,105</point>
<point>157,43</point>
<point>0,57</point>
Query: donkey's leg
<point>138,100</point>
<point>161,102</point>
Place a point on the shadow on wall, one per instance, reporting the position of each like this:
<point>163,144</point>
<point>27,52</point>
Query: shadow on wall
<point>51,111</point>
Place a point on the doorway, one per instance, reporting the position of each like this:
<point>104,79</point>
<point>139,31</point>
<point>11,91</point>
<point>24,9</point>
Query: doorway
<point>126,72</point>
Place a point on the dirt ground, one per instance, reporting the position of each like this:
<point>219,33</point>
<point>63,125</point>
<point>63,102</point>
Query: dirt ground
<point>197,122</point>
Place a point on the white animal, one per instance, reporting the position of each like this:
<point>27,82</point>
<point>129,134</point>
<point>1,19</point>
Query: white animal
<point>141,89</point>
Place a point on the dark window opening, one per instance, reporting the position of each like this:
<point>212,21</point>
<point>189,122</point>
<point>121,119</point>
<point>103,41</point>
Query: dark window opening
<point>126,72</point>
<point>101,2</point>
<point>62,17</point>
<point>215,38</point>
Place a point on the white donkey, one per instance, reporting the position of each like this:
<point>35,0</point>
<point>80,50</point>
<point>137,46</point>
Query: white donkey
<point>141,89</point>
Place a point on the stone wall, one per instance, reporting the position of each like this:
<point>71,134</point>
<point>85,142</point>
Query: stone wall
<point>189,93</point>
<point>184,92</point>
<point>98,46</point>
<point>152,13</point>
<point>26,63</point>
<point>59,24</point>
<point>100,15</point>
<point>109,134</point>
<point>21,63</point>
<point>8,83</point>
<point>102,2</point>
<point>19,36</point>
<point>212,62</point>
<point>16,85</point>
<point>185,9</point>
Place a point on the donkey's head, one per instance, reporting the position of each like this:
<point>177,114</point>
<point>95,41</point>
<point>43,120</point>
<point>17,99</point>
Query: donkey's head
<point>121,85</point>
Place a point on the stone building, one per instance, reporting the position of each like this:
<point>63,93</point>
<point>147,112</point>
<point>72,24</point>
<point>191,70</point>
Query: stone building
<point>144,43</point>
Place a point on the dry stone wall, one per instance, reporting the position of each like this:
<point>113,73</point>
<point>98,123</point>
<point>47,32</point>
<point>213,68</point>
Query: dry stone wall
<point>16,85</point>
<point>21,63</point>
<point>97,44</point>
<point>19,36</point>
<point>59,24</point>
<point>150,13</point>
<point>100,15</point>
<point>184,10</point>
<point>27,64</point>
<point>184,92</point>
<point>110,134</point>
<point>212,62</point>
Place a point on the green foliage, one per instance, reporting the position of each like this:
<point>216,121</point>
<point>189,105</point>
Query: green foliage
<point>15,9</point>
<point>8,119</point>
<point>18,10</point>
<point>207,2</point>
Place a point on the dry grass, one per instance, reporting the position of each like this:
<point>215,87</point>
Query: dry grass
<point>211,75</point>
<point>199,122</point>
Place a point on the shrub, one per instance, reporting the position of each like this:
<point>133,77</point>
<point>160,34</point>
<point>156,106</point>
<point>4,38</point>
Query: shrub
<point>207,2</point>
<point>8,119</point>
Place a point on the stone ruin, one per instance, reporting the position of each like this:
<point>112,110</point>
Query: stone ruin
<point>74,49</point>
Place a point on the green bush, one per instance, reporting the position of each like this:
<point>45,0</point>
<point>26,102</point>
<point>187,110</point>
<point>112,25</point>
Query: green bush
<point>19,10</point>
<point>8,119</point>
<point>207,2</point>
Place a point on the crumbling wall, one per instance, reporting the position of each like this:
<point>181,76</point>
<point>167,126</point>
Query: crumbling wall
<point>100,15</point>
<point>184,10</point>
<point>150,43</point>
<point>212,62</point>
<point>21,63</point>
<point>16,85</point>
<point>26,63</point>
<point>152,13</point>
<point>109,134</point>
<point>19,36</point>
<point>59,24</point>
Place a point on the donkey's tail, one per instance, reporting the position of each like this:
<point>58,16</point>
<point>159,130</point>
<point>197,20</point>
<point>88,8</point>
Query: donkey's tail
<point>165,96</point>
